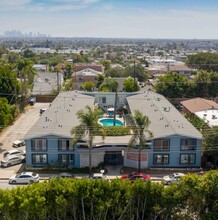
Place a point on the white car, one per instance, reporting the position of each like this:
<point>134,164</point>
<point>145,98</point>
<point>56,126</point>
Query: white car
<point>98,176</point>
<point>18,143</point>
<point>172,178</point>
<point>12,160</point>
<point>14,152</point>
<point>25,178</point>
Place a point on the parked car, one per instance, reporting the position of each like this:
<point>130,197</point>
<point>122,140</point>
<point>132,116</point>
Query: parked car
<point>14,152</point>
<point>12,160</point>
<point>133,176</point>
<point>18,143</point>
<point>32,100</point>
<point>98,176</point>
<point>172,178</point>
<point>63,175</point>
<point>25,178</point>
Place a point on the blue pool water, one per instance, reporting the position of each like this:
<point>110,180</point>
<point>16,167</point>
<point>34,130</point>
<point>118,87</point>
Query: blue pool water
<point>110,122</point>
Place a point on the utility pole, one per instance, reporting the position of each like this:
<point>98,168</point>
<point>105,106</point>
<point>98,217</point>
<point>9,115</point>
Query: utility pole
<point>58,82</point>
<point>115,107</point>
<point>134,76</point>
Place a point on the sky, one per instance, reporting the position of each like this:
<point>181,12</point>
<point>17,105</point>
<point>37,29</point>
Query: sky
<point>175,19</point>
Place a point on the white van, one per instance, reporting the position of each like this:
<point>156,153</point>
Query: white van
<point>18,143</point>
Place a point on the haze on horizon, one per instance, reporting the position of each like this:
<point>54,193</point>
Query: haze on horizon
<point>180,19</point>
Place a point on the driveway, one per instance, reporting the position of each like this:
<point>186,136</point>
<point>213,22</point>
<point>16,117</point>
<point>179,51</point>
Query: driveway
<point>17,131</point>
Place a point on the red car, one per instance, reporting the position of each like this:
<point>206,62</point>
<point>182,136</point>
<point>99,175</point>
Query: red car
<point>133,176</point>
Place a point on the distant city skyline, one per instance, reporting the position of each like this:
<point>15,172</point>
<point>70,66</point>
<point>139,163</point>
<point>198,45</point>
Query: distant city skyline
<point>180,19</point>
<point>18,33</point>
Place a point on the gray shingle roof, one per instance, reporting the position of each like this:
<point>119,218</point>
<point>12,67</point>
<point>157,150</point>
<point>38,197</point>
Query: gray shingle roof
<point>165,119</point>
<point>60,117</point>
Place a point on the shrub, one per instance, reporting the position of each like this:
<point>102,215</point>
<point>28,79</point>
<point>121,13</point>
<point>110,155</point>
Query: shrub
<point>116,131</point>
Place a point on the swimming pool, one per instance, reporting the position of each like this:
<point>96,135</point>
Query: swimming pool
<point>110,122</point>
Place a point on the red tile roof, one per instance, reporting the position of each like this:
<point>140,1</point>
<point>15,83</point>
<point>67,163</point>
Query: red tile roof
<point>199,104</point>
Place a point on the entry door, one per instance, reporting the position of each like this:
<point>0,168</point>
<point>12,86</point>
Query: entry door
<point>113,158</point>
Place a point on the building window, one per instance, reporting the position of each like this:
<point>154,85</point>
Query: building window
<point>161,158</point>
<point>188,144</point>
<point>161,145</point>
<point>65,158</point>
<point>39,145</point>
<point>187,158</point>
<point>39,158</point>
<point>103,99</point>
<point>64,144</point>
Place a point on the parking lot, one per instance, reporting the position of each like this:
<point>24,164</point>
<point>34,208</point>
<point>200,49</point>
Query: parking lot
<point>17,131</point>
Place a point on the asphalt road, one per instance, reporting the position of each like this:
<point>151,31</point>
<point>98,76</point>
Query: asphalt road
<point>5,185</point>
<point>17,131</point>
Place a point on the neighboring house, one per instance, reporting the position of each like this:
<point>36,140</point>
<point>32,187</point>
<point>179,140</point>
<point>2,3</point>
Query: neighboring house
<point>41,67</point>
<point>176,67</point>
<point>203,108</point>
<point>84,73</point>
<point>182,69</point>
<point>175,143</point>
<point>47,83</point>
<point>198,104</point>
<point>155,69</point>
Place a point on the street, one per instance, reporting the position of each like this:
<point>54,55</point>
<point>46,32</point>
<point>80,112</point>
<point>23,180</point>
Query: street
<point>5,185</point>
<point>17,131</point>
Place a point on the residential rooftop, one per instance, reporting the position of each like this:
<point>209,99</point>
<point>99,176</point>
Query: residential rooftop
<point>165,119</point>
<point>199,104</point>
<point>61,116</point>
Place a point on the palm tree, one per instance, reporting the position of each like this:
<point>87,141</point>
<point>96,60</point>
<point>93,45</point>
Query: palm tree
<point>26,71</point>
<point>87,128</point>
<point>139,123</point>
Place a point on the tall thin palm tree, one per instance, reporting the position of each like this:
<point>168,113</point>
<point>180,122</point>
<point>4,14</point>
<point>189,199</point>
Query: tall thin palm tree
<point>87,128</point>
<point>139,124</point>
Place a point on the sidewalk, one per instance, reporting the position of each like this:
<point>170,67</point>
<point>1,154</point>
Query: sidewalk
<point>5,174</point>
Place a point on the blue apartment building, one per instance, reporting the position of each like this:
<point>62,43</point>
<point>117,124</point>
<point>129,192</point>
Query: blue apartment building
<point>176,143</point>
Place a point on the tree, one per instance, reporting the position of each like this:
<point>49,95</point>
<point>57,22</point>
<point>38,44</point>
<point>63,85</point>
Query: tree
<point>106,64</point>
<point>28,53</point>
<point>204,61</point>
<point>13,57</point>
<point>100,79</point>
<point>109,85</point>
<point>202,82</point>
<point>199,123</point>
<point>9,86</point>
<point>26,72</point>
<point>139,124</point>
<point>5,113</point>
<point>210,144</point>
<point>87,128</point>
<point>115,72</point>
<point>68,85</point>
<point>136,71</point>
<point>213,89</point>
<point>172,85</point>
<point>88,86</point>
<point>130,86</point>
<point>79,58</point>
<point>68,67</point>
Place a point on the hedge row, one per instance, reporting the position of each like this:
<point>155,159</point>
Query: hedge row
<point>195,197</point>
